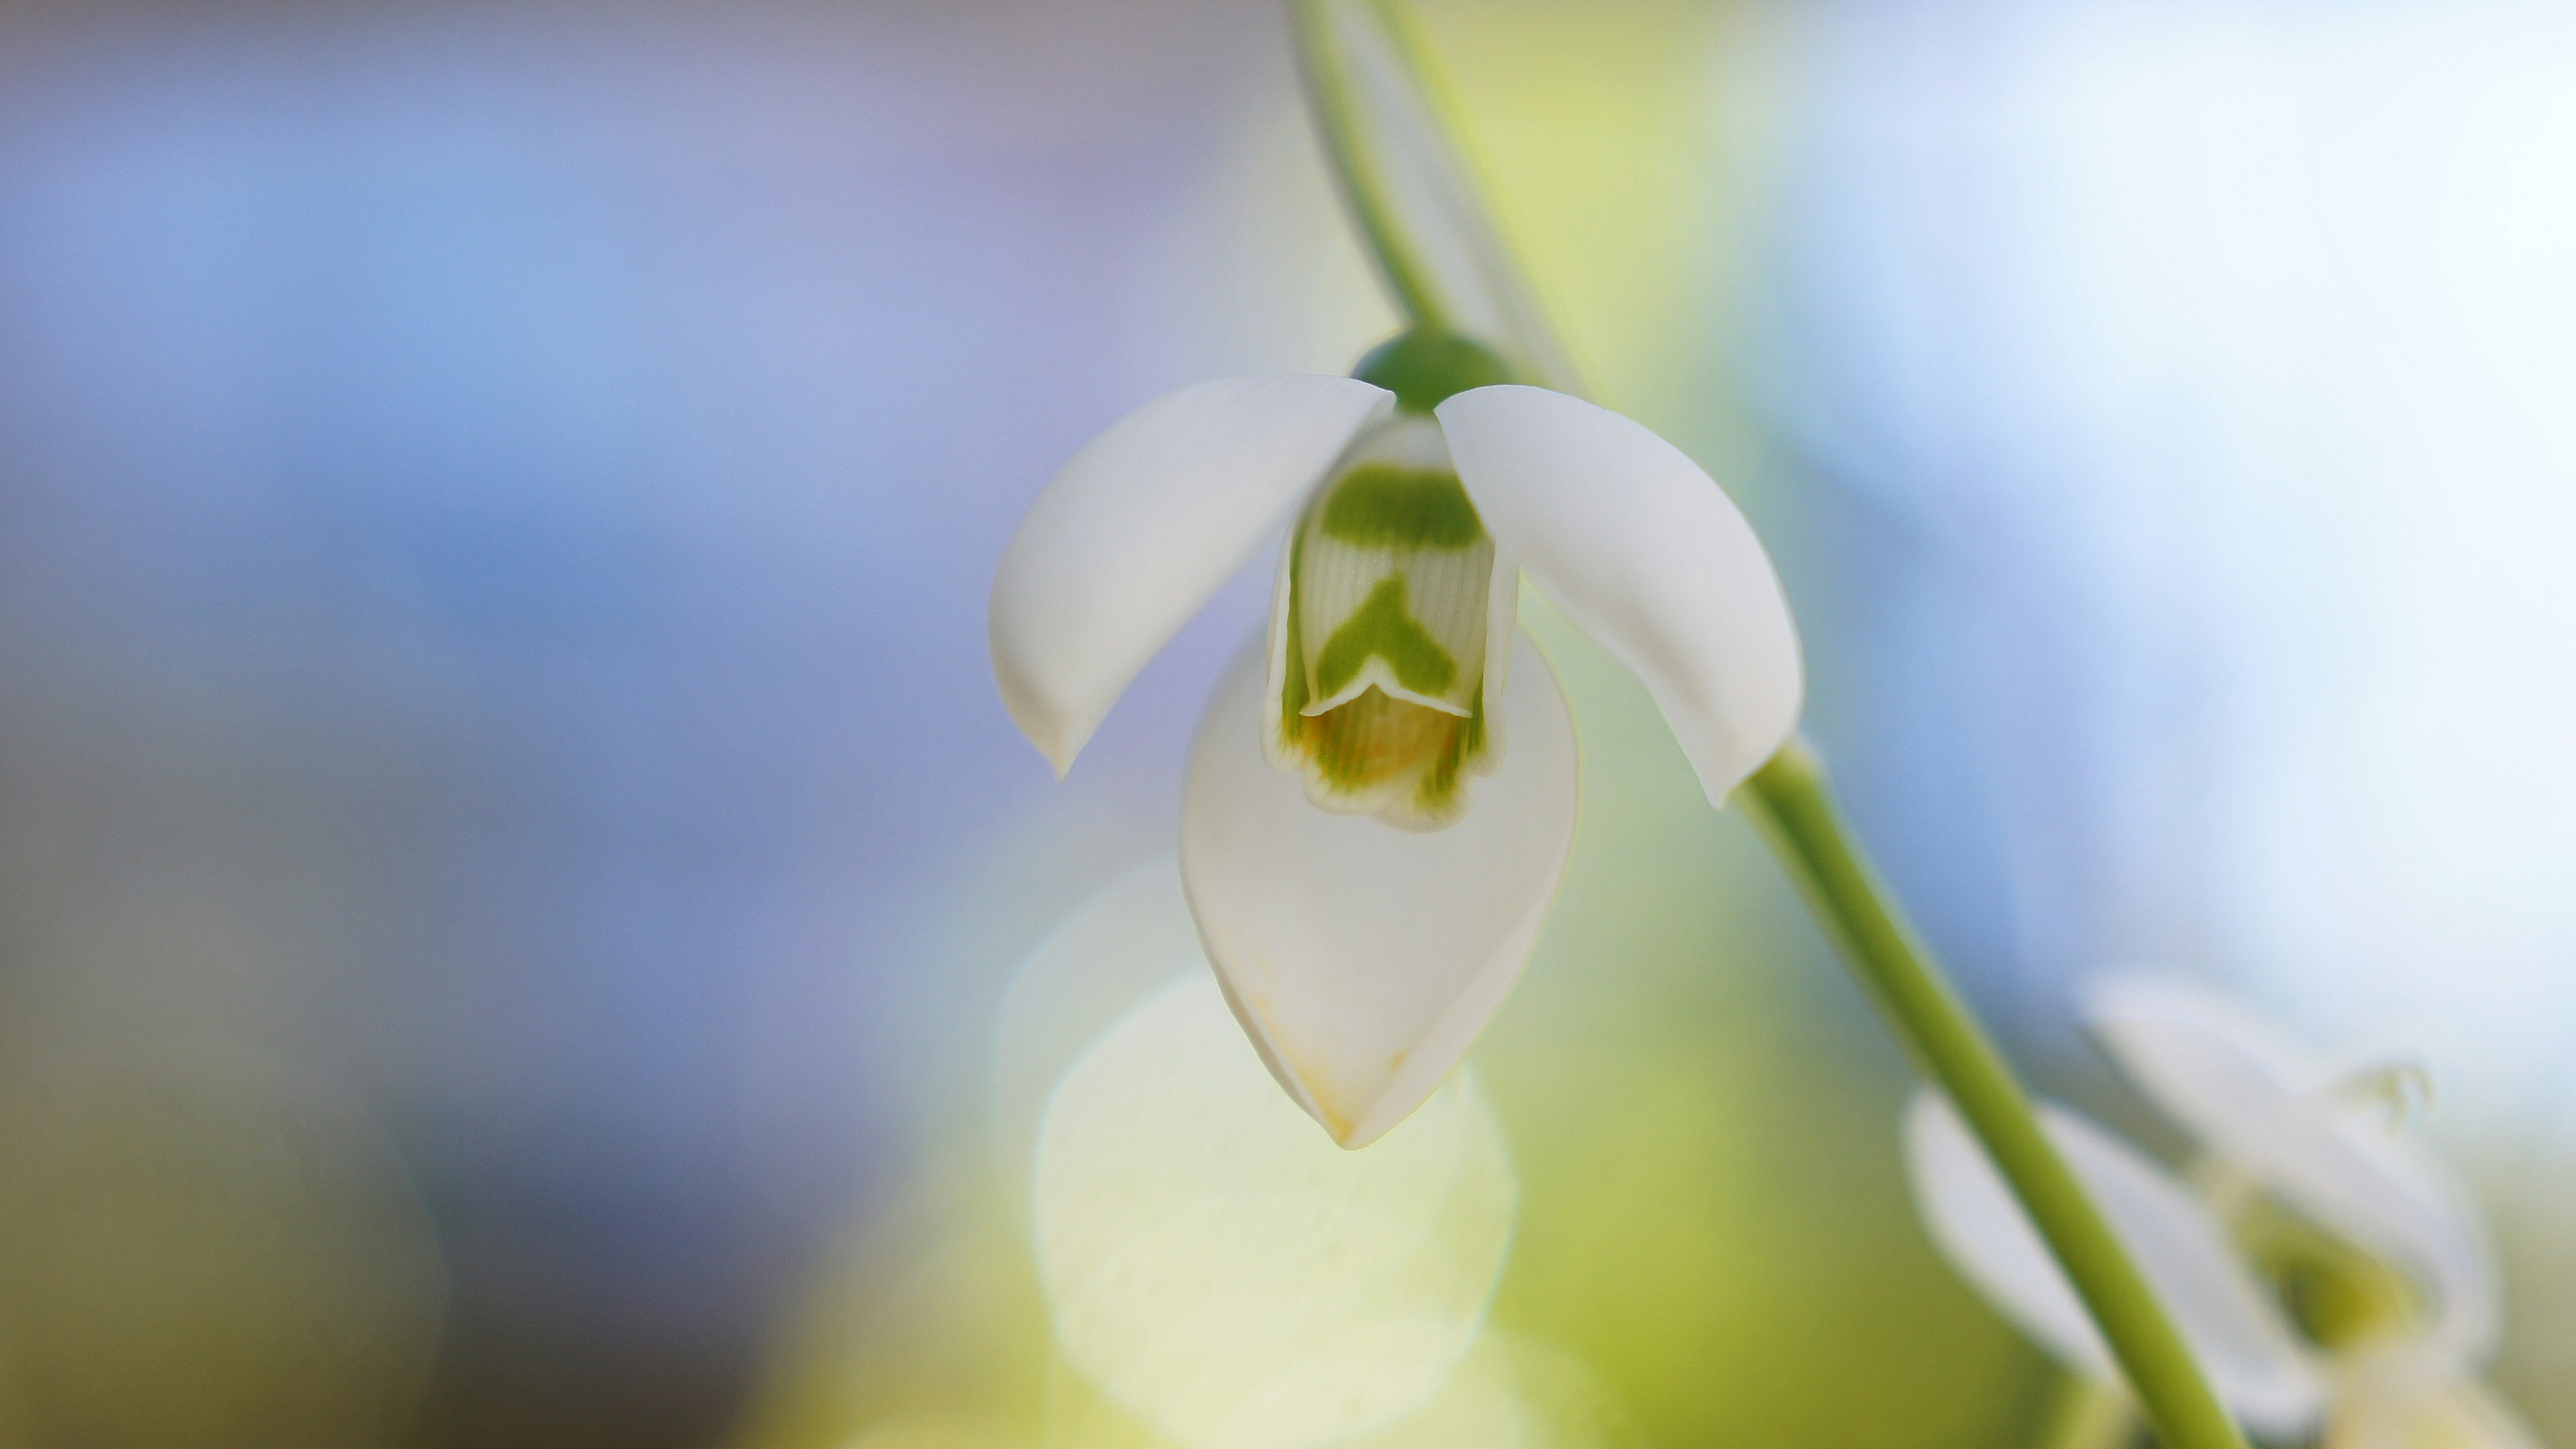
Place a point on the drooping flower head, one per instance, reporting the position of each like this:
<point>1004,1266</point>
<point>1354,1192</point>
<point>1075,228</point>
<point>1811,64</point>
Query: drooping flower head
<point>1381,798</point>
<point>2324,1267</point>
<point>2372,1234</point>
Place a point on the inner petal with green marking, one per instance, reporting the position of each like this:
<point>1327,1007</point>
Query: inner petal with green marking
<point>2337,1294</point>
<point>1386,636</point>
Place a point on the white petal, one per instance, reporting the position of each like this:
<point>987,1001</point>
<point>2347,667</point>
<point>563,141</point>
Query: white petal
<point>2249,1351</point>
<point>1649,556</point>
<point>2163,1029</point>
<point>1146,522</point>
<point>2258,1101</point>
<point>1363,959</point>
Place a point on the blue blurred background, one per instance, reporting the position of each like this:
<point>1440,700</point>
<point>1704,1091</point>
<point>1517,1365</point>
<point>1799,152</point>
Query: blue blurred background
<point>507,832</point>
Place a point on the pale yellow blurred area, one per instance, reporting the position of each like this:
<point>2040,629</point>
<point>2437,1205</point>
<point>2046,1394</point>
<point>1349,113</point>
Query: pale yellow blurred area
<point>1710,1231</point>
<point>1224,1272</point>
<point>1506,1394</point>
<point>1512,1394</point>
<point>1191,1262</point>
<point>1196,1264</point>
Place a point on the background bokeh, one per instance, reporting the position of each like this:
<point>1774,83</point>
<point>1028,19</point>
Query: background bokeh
<point>511,861</point>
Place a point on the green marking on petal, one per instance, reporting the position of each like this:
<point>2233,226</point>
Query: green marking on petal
<point>1439,789</point>
<point>1380,505</point>
<point>2338,1294</point>
<point>1293,696</point>
<point>1382,628</point>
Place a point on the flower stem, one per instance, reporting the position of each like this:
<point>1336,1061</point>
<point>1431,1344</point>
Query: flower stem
<point>1358,170</point>
<point>1792,800</point>
<point>1409,185</point>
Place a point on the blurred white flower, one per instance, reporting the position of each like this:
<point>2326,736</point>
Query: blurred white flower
<point>1361,959</point>
<point>2244,1341</point>
<point>2323,1266</point>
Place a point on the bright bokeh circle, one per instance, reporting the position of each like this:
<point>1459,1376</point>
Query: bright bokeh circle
<point>1219,1269</point>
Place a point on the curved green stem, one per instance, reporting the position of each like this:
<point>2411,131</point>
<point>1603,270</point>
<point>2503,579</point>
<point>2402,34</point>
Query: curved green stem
<point>1394,152</point>
<point>1356,170</point>
<point>1795,805</point>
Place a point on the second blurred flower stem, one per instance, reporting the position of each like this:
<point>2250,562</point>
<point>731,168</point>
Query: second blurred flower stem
<point>1791,799</point>
<point>1386,92</point>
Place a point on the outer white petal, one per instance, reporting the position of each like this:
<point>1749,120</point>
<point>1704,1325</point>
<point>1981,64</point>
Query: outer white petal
<point>1146,522</point>
<point>2167,1033</point>
<point>2250,1352</point>
<point>1649,556</point>
<point>1363,960</point>
<point>2258,1101</point>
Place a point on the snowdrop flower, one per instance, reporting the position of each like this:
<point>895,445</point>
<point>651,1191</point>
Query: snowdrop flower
<point>1382,793</point>
<point>2243,1339</point>
<point>2325,1268</point>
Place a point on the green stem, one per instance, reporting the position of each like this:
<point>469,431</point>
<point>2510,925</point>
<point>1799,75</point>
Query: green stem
<point>1795,805</point>
<point>1356,171</point>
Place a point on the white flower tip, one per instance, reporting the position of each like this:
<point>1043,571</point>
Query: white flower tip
<point>1351,1119</point>
<point>1362,961</point>
<point>1364,1123</point>
<point>1352,1135</point>
<point>1056,737</point>
<point>1283,1068</point>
